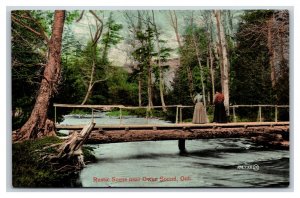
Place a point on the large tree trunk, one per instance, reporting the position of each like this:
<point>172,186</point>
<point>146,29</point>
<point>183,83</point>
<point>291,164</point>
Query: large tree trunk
<point>133,135</point>
<point>37,125</point>
<point>225,61</point>
<point>161,86</point>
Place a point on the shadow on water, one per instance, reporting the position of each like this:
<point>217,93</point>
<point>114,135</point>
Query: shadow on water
<point>217,152</point>
<point>281,166</point>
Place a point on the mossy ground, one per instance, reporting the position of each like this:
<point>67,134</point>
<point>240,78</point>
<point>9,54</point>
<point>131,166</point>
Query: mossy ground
<point>29,170</point>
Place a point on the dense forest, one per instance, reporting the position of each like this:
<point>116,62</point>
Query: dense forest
<point>145,58</point>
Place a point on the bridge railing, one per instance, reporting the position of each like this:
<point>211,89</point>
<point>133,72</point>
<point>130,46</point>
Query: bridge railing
<point>276,107</point>
<point>179,108</point>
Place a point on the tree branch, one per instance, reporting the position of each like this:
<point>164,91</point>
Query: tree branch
<point>40,33</point>
<point>99,30</point>
<point>80,17</point>
<point>14,19</point>
<point>97,81</point>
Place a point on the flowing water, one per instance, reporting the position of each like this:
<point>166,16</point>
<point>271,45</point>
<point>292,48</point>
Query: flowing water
<point>234,162</point>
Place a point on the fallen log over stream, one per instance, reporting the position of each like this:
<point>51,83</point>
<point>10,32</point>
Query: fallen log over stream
<point>128,135</point>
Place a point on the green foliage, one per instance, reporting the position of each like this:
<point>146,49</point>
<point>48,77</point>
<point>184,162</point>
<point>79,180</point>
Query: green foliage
<point>28,59</point>
<point>117,113</point>
<point>112,36</point>
<point>120,90</point>
<point>29,54</point>
<point>30,170</point>
<point>80,112</point>
<point>71,15</point>
<point>248,56</point>
<point>188,58</point>
<point>78,63</point>
<point>88,154</point>
<point>141,112</point>
<point>251,83</point>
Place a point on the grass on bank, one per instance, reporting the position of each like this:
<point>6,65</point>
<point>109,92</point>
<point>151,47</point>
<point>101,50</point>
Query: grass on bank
<point>142,112</point>
<point>29,170</point>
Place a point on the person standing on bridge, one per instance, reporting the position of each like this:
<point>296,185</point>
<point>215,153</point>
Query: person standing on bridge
<point>200,116</point>
<point>219,113</point>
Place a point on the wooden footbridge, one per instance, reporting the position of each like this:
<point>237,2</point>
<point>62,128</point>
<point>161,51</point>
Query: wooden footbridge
<point>179,131</point>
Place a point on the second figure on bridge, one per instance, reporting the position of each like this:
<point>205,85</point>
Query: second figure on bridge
<point>219,113</point>
<point>200,116</point>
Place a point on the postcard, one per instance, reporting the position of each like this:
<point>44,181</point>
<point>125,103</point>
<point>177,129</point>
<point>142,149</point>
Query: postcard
<point>195,98</point>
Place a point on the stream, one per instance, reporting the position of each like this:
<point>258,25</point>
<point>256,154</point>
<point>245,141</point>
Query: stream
<point>234,162</point>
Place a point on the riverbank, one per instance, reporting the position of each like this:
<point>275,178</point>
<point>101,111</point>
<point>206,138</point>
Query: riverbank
<point>30,169</point>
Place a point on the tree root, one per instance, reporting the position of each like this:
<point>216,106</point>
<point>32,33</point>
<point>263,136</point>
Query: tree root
<point>68,154</point>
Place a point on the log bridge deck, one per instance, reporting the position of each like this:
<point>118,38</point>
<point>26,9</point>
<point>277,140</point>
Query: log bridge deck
<point>181,132</point>
<point>176,126</point>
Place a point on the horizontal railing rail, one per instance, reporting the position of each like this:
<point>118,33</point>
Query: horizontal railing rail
<point>178,107</point>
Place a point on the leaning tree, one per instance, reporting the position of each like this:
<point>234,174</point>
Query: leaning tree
<point>38,124</point>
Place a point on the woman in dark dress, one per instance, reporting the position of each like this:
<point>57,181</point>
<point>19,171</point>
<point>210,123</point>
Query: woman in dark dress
<point>220,113</point>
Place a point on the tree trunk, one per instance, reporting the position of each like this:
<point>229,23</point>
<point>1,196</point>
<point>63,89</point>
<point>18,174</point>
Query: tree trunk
<point>201,70</point>
<point>190,81</point>
<point>212,70</point>
<point>139,30</point>
<point>199,63</point>
<point>134,135</point>
<point>271,51</point>
<point>175,26</point>
<point>37,125</point>
<point>149,88</point>
<point>149,68</point>
<point>140,90</point>
<point>225,61</point>
<point>211,57</point>
<point>161,87</point>
<point>95,40</point>
<point>189,72</point>
<point>90,87</point>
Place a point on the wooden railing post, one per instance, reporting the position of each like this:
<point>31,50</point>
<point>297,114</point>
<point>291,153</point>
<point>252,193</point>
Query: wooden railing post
<point>147,115</point>
<point>120,114</point>
<point>180,115</point>
<point>92,115</point>
<point>54,114</point>
<point>276,112</point>
<point>176,114</point>
<point>234,116</point>
<point>259,112</point>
